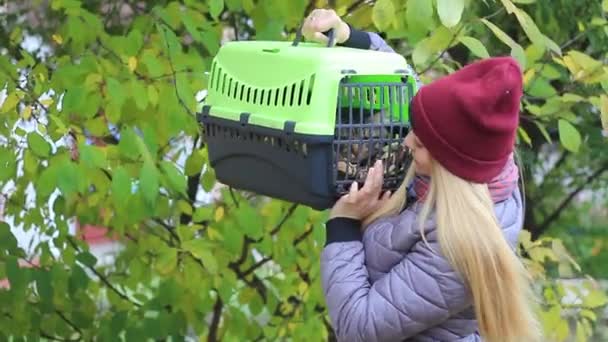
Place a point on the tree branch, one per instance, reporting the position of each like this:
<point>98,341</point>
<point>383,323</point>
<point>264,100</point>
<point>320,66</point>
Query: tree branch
<point>430,66</point>
<point>102,277</point>
<point>354,6</point>
<point>256,266</point>
<point>215,322</point>
<point>236,203</point>
<point>70,323</point>
<point>290,211</point>
<point>193,182</point>
<point>302,237</point>
<point>555,215</point>
<point>174,78</point>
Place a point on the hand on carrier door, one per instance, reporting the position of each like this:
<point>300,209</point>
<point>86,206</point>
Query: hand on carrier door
<point>321,20</point>
<point>359,204</point>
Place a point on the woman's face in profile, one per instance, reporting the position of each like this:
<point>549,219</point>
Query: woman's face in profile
<point>421,156</point>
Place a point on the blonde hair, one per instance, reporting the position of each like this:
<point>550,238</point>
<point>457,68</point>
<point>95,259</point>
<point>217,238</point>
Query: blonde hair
<point>471,239</point>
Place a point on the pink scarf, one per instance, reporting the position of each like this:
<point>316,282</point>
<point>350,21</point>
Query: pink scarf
<point>500,187</point>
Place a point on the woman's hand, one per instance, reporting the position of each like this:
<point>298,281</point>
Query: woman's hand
<point>359,204</point>
<point>321,20</point>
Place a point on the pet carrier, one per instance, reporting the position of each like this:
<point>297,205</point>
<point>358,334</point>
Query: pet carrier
<point>300,121</point>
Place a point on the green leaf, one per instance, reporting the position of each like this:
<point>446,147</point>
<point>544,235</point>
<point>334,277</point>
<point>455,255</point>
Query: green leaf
<point>550,72</point>
<point>30,163</point>
<point>589,314</point>
<point>202,250</point>
<point>8,164</point>
<point>121,187</point>
<point>569,136</point>
<point>38,145</point>
<point>605,5</point>
<point>167,260</point>
<point>8,242</point>
<point>383,14</point>
<point>202,213</point>
<point>140,94</point>
<point>78,279</point>
<point>9,103</point>
<point>604,112</point>
<point>540,87</point>
<point>450,11</point>
<point>194,163</point>
<point>74,100</point>
<point>148,182</point>
<point>116,92</point>
<point>208,179</point>
<point>128,144</point>
<point>475,46</point>
<point>516,50</point>
<point>524,135</point>
<point>532,31</point>
<point>595,299</point>
<point>419,15</point>
<point>86,258</point>
<point>216,7</point>
<point>543,130</point>
<point>152,95</point>
<point>18,277</point>
<point>211,41</point>
<point>92,156</point>
<point>177,181</point>
<point>152,63</point>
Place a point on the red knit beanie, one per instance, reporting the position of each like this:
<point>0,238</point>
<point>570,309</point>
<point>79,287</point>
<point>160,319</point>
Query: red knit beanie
<point>468,120</point>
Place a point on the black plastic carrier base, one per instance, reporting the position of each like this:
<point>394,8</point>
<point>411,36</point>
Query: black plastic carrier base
<point>277,160</point>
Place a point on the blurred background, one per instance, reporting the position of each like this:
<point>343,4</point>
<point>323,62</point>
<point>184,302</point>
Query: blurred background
<point>112,225</point>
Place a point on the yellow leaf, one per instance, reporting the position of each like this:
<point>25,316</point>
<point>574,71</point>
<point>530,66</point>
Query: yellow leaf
<point>219,213</point>
<point>132,63</point>
<point>184,207</point>
<point>27,113</point>
<point>47,102</point>
<point>571,65</point>
<point>9,103</point>
<point>383,14</point>
<point>92,81</point>
<point>509,6</point>
<point>213,234</point>
<point>524,136</point>
<point>604,112</point>
<point>302,287</point>
<point>58,39</point>
<point>529,75</point>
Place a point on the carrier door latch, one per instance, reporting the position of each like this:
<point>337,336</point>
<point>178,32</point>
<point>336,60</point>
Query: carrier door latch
<point>289,128</point>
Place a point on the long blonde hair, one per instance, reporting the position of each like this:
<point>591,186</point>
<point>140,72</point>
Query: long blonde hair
<point>471,239</point>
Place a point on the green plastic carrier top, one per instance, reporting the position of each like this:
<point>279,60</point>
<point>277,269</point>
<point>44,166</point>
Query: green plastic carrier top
<point>275,82</point>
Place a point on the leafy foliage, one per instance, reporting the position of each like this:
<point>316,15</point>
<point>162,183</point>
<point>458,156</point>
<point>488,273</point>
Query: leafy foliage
<point>98,123</point>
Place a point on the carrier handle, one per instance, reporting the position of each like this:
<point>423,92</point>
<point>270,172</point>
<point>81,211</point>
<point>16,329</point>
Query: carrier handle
<point>330,35</point>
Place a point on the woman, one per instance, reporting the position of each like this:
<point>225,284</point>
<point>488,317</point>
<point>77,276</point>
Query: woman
<point>444,267</point>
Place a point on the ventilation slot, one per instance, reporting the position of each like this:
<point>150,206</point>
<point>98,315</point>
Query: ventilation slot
<point>292,94</point>
<point>311,86</point>
<point>235,89</point>
<point>224,83</point>
<point>213,74</point>
<point>216,86</point>
<point>300,91</point>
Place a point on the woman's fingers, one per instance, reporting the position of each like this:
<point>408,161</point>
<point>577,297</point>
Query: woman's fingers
<point>375,180</point>
<point>320,38</point>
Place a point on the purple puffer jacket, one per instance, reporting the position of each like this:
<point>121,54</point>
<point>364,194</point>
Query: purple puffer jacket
<point>387,285</point>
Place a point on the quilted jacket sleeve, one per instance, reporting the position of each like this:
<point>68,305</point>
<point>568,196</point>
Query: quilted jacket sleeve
<point>419,292</point>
